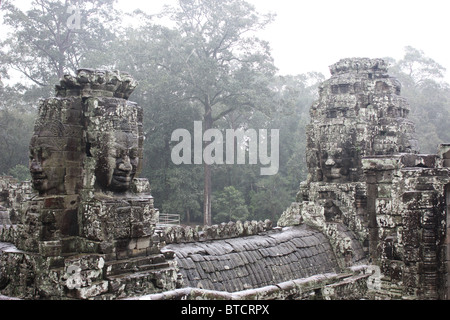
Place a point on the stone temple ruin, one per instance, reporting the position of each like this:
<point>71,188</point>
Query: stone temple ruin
<point>365,172</point>
<point>370,222</point>
<point>91,220</point>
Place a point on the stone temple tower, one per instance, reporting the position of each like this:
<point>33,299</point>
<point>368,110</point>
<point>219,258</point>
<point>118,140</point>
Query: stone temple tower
<point>371,221</point>
<point>365,172</point>
<point>359,113</point>
<point>89,230</point>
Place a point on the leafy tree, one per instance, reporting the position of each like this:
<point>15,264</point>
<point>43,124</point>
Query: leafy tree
<point>183,193</point>
<point>295,96</point>
<point>229,205</point>
<point>271,196</point>
<point>16,126</point>
<point>419,68</point>
<point>215,62</point>
<point>423,85</point>
<point>20,172</point>
<point>44,44</point>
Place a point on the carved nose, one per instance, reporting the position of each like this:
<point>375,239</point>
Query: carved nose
<point>35,166</point>
<point>125,164</point>
<point>330,162</point>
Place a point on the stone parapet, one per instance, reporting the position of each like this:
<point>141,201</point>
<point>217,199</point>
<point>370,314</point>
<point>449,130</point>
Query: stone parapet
<point>187,234</point>
<point>330,286</point>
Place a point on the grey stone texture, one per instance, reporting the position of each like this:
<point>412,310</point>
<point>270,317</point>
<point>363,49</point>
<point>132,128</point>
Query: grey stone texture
<point>251,262</point>
<point>370,222</point>
<point>88,229</point>
<point>365,172</point>
<point>407,198</point>
<point>186,234</point>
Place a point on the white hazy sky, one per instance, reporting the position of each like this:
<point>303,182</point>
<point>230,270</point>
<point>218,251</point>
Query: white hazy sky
<point>311,35</point>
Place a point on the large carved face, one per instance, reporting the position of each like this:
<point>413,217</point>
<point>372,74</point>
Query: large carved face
<point>336,165</point>
<point>118,161</point>
<point>332,165</point>
<point>47,163</point>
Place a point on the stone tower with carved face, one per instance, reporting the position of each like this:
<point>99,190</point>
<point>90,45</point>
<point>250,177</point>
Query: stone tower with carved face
<point>90,230</point>
<point>359,113</point>
<point>365,172</point>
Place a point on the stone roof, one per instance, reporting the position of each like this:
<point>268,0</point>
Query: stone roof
<point>252,262</point>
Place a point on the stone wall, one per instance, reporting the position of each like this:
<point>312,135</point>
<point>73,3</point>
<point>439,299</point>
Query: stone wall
<point>331,286</point>
<point>407,199</point>
<point>187,234</point>
<point>88,229</point>
<point>366,173</point>
<point>13,199</point>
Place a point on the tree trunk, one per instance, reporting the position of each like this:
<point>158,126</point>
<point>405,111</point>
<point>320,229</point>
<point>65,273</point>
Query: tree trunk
<point>207,217</point>
<point>188,216</point>
<point>61,62</point>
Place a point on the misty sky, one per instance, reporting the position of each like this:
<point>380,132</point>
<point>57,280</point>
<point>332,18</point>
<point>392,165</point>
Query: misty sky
<point>311,35</point>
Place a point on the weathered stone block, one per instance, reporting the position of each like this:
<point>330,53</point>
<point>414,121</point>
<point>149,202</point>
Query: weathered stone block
<point>86,262</point>
<point>383,206</point>
<point>384,190</point>
<point>141,185</point>
<point>50,248</point>
<point>92,290</point>
<point>387,221</point>
<point>53,202</point>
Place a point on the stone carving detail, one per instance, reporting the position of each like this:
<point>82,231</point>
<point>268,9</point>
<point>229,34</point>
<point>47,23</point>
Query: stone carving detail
<point>47,164</point>
<point>89,231</point>
<point>365,173</point>
<point>187,234</point>
<point>359,113</point>
<point>97,83</point>
<point>406,198</point>
<point>116,144</point>
<point>331,211</point>
<point>92,218</point>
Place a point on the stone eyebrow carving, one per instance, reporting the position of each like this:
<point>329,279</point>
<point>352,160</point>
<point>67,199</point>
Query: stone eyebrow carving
<point>54,131</point>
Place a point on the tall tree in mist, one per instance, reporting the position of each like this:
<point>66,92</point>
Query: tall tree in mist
<point>217,62</point>
<point>53,37</point>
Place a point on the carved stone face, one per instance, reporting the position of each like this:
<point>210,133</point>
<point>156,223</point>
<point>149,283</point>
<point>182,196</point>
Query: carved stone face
<point>47,165</point>
<point>336,165</point>
<point>118,162</point>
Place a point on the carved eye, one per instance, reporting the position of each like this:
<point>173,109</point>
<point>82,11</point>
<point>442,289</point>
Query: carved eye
<point>36,154</point>
<point>45,154</point>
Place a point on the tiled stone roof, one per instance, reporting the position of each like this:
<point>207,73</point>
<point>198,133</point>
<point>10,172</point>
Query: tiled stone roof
<point>252,262</point>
